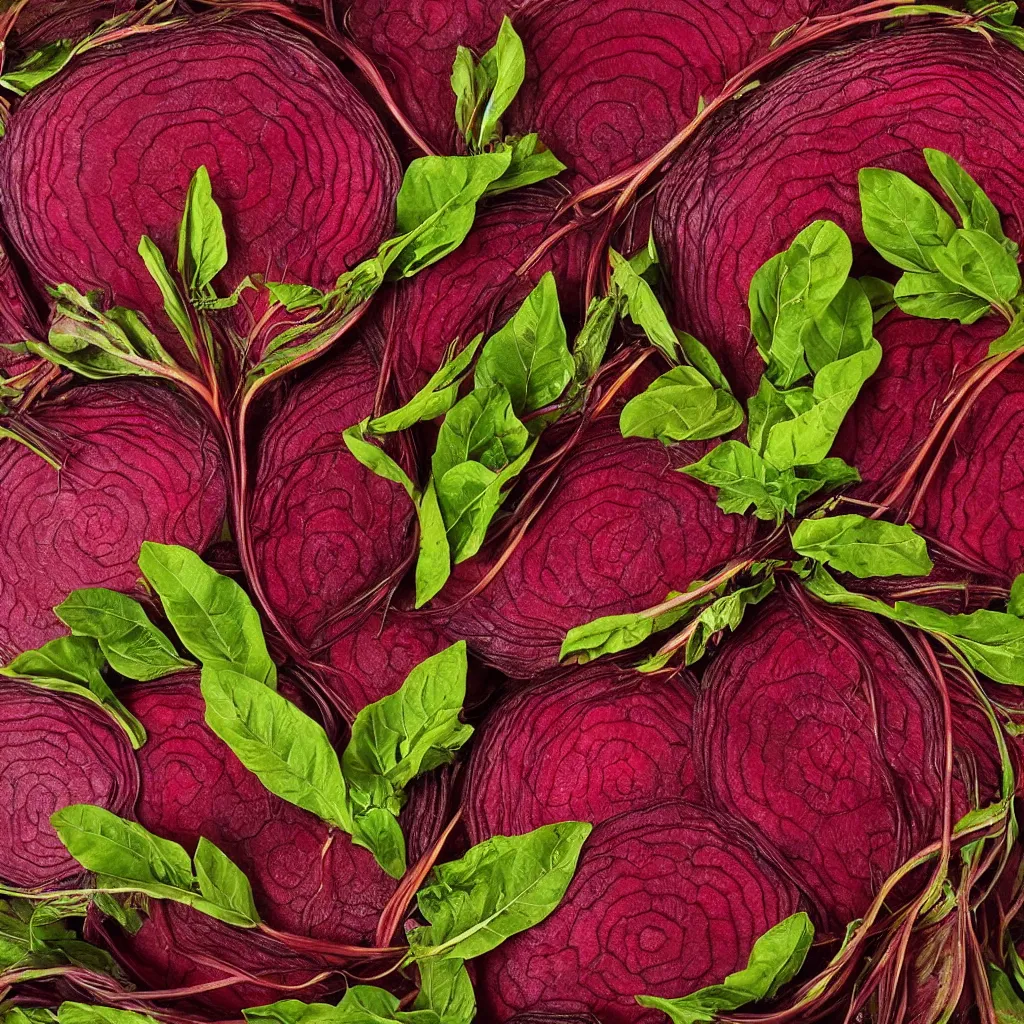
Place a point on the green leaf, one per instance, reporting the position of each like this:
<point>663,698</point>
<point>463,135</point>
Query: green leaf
<point>1008,1005</point>
<point>445,988</point>
<point>880,295</point>
<point>212,615</point>
<point>529,354</point>
<point>480,428</point>
<point>296,296</point>
<point>501,887</point>
<point>592,342</point>
<point>434,399</point>
<point>174,304</point>
<point>202,244</point>
<point>403,735</point>
<point>699,356</point>
<point>38,66</point>
<point>642,306</point>
<point>531,162</point>
<point>990,642</point>
<point>434,564</point>
<point>806,438</point>
<point>743,479</point>
<point>224,885</point>
<point>725,612</point>
<point>980,265</point>
<point>934,297</point>
<point>378,831</point>
<point>375,459</point>
<point>1011,340</point>
<point>791,290</point>
<point>73,664</point>
<point>974,207</point>
<point>506,67</point>
<point>610,634</point>
<point>776,958</point>
<point>680,405</point>
<point>286,749</point>
<point>80,1013</point>
<point>129,641</point>
<point>863,547</point>
<point>842,330</point>
<point>901,220</point>
<point>1015,606</point>
<point>436,206</point>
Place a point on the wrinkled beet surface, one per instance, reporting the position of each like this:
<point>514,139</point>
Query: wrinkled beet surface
<point>975,503</point>
<point>104,152</point>
<point>324,527</point>
<point>371,657</point>
<point>307,878</point>
<point>139,466</point>
<point>475,288</point>
<point>619,532</point>
<point>58,750</point>
<point>414,45</point>
<point>610,81</point>
<point>665,900</point>
<point>583,745</point>
<point>790,153</point>
<point>817,729</point>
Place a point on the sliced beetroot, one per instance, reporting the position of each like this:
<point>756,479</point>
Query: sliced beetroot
<point>975,503</point>
<point>819,731</point>
<point>791,152</point>
<point>665,900</point>
<point>325,529</point>
<point>58,750</point>
<point>138,465</point>
<point>229,969</point>
<point>583,745</point>
<point>307,878</point>
<point>611,81</point>
<point>475,288</point>
<point>103,153</point>
<point>19,319</point>
<point>370,657</point>
<point>620,530</point>
<point>414,45</point>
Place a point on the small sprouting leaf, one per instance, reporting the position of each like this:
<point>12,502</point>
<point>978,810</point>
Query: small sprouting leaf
<point>506,68</point>
<point>286,749</point>
<point>743,479</point>
<point>212,615</point>
<point>610,634</point>
<point>699,356</point>
<point>976,210</point>
<point>377,830</point>
<point>1011,340</point>
<point>502,886</point>
<point>529,354</point>
<point>174,304</point>
<point>434,564</point>
<point>642,306</point>
<point>436,206</point>
<point>531,162</point>
<point>223,884</point>
<point>129,641</point>
<point>481,427</point>
<point>776,958</point>
<point>680,405</point>
<point>38,66</point>
<point>901,220</point>
<point>592,341</point>
<point>1008,1005</point>
<point>202,244</point>
<point>296,296</point>
<point>75,659</point>
<point>979,264</point>
<point>842,329</point>
<point>375,459</point>
<point>725,612</point>
<point>863,547</point>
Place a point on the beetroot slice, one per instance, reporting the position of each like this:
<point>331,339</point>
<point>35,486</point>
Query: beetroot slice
<point>620,530</point>
<point>791,152</point>
<point>58,750</point>
<point>611,81</point>
<point>415,44</point>
<point>139,465</point>
<point>817,729</point>
<point>582,745</point>
<point>325,528</point>
<point>475,288</point>
<point>665,900</point>
<point>104,152</point>
<point>975,503</point>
